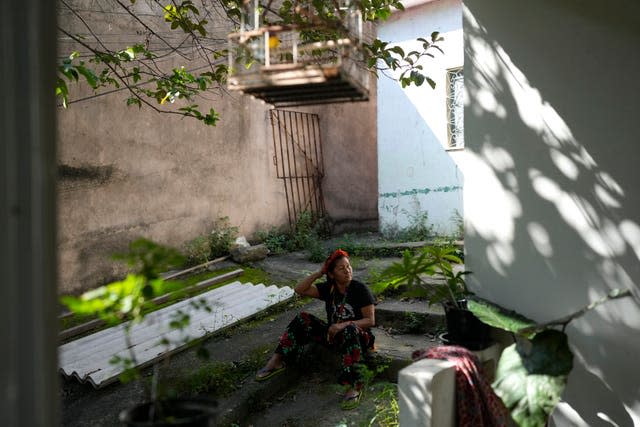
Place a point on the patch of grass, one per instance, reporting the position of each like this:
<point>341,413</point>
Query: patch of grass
<point>218,379</point>
<point>387,410</point>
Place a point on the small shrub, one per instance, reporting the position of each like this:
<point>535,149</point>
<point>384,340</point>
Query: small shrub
<point>197,251</point>
<point>458,220</point>
<point>306,235</point>
<point>347,242</point>
<point>221,237</point>
<point>419,228</point>
<point>316,251</point>
<point>275,239</point>
<point>303,231</point>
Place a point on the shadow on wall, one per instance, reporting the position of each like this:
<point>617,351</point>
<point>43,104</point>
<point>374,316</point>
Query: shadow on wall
<point>550,197</point>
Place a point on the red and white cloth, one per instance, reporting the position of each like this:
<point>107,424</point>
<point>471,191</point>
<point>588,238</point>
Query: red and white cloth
<point>476,403</point>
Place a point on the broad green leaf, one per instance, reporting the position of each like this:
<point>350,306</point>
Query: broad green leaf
<point>498,317</point>
<point>398,50</point>
<point>547,353</point>
<point>531,395</point>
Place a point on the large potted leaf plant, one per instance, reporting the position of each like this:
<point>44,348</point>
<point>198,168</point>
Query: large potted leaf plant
<point>431,274</point>
<point>129,301</point>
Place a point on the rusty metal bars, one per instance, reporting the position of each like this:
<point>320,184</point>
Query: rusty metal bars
<point>298,159</point>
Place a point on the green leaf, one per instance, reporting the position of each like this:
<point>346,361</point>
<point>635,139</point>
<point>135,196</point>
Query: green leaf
<point>398,50</point>
<point>548,353</point>
<point>62,91</point>
<point>135,74</point>
<point>527,381</point>
<point>134,101</point>
<point>89,75</point>
<point>211,119</point>
<point>497,316</point>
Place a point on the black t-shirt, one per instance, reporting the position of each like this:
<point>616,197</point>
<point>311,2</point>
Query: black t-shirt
<point>345,307</point>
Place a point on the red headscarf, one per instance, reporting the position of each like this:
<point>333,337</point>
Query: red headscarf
<point>338,253</point>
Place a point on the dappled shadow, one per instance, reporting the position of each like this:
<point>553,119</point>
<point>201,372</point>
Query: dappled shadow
<point>551,206</point>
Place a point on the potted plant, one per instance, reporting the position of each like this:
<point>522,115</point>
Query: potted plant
<point>430,274</point>
<point>129,301</point>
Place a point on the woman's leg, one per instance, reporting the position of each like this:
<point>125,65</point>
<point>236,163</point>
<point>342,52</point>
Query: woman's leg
<point>352,343</point>
<point>303,329</point>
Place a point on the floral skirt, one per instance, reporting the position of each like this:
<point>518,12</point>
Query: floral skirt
<point>351,344</point>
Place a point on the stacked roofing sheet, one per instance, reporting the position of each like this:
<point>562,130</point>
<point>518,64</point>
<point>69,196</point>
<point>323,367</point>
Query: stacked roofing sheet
<point>88,358</point>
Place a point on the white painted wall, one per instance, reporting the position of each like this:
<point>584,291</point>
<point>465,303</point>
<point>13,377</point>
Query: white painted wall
<point>416,173</point>
<point>552,206</point>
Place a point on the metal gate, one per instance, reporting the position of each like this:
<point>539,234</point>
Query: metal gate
<point>298,160</point>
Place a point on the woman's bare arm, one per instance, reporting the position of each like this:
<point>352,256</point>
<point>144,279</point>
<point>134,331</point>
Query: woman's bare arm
<point>306,288</point>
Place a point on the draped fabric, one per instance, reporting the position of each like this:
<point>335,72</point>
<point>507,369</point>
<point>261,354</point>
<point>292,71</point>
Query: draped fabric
<point>476,403</point>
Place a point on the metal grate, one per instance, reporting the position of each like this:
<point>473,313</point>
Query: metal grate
<point>298,160</point>
<point>455,107</point>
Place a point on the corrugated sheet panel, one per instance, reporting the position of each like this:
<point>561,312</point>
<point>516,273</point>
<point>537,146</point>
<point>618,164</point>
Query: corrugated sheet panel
<point>88,358</point>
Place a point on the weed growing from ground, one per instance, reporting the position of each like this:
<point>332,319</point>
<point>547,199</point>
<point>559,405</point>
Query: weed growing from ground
<point>276,239</point>
<point>216,244</point>
<point>217,378</point>
<point>307,235</point>
<point>197,251</point>
<point>387,410</point>
<point>221,237</point>
<point>458,220</point>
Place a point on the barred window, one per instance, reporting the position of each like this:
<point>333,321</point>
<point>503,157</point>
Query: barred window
<point>455,107</point>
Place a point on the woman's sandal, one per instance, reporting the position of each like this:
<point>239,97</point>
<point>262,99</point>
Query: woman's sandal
<point>350,401</point>
<point>265,373</point>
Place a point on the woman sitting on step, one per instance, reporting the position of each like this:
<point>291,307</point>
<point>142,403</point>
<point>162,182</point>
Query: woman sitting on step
<point>350,315</point>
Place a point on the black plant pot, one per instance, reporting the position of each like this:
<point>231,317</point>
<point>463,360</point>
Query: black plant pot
<point>170,413</point>
<point>464,328</point>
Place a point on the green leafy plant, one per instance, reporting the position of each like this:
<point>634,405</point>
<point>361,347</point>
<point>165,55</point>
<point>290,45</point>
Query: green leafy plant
<point>221,237</point>
<point>419,228</point>
<point>458,222</point>
<point>428,274</point>
<point>275,239</point>
<point>197,251</point>
<point>387,410</point>
<point>532,373</point>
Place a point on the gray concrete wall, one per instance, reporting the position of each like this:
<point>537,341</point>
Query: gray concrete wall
<point>139,173</point>
<point>349,149</point>
<point>552,207</point>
